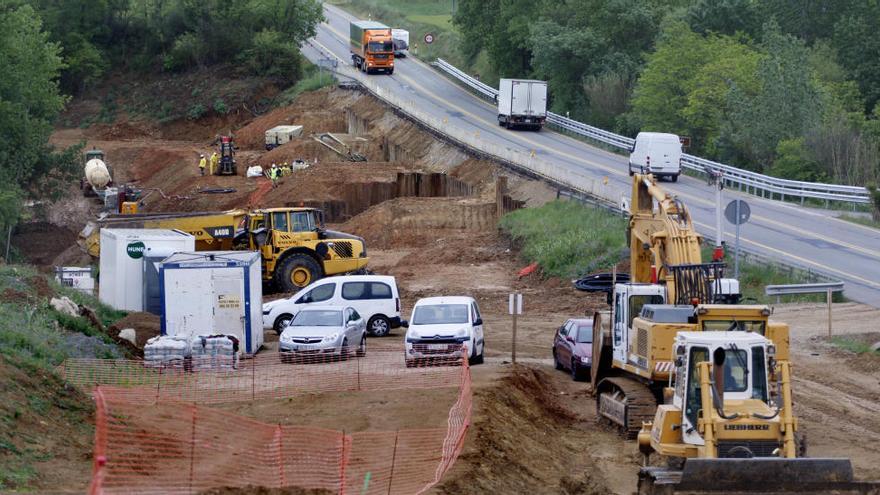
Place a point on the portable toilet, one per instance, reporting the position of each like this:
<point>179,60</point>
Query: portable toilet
<point>213,293</point>
<point>121,267</point>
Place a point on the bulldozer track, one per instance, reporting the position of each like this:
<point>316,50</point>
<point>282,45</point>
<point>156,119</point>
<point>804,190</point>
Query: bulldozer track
<point>639,403</point>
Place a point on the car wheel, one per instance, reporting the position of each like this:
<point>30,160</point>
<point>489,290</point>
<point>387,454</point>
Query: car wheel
<point>479,358</point>
<point>577,373</point>
<point>556,362</point>
<point>281,322</point>
<point>343,352</point>
<point>362,348</point>
<point>379,326</point>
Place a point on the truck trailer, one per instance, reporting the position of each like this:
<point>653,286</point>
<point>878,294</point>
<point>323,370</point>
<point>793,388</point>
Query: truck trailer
<point>372,47</point>
<point>400,38</point>
<point>522,103</point>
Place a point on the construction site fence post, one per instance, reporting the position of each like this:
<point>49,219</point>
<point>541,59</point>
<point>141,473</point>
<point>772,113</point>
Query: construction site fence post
<point>828,296</point>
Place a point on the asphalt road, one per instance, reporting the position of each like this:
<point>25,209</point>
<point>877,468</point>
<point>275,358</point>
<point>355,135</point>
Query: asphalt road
<point>808,238</point>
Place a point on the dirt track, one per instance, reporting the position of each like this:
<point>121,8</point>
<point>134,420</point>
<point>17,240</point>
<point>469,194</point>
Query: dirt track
<point>534,430</point>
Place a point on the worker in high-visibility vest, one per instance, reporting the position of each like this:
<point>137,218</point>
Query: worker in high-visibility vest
<point>202,164</point>
<point>215,158</point>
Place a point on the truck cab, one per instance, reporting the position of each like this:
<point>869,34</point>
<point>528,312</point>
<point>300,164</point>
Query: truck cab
<point>372,47</point>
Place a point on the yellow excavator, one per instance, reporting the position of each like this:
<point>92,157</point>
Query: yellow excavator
<point>296,249</point>
<point>675,313</point>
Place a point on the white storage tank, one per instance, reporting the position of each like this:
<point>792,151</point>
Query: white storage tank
<point>121,276</point>
<point>214,293</point>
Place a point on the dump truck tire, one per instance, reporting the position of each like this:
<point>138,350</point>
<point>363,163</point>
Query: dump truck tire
<point>296,272</point>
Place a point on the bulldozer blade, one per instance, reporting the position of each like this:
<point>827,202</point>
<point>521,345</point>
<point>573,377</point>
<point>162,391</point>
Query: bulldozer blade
<point>756,475</point>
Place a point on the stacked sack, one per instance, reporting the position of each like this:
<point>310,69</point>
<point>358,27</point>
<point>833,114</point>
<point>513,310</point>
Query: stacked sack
<point>214,352</point>
<point>167,352</point>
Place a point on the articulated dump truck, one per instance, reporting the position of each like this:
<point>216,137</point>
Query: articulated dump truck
<point>701,381</point>
<point>295,247</point>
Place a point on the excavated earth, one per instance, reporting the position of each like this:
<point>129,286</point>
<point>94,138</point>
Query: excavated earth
<point>429,215</point>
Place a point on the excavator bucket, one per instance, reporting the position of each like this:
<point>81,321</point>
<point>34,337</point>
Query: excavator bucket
<point>755,475</point>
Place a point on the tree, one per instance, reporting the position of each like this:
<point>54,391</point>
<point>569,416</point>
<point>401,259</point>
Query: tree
<point>725,17</point>
<point>855,38</point>
<point>29,99</point>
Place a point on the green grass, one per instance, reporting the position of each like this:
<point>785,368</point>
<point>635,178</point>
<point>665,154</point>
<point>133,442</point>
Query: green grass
<point>867,221</point>
<point>852,345</point>
<point>567,238</point>
<point>34,339</point>
<point>312,80</point>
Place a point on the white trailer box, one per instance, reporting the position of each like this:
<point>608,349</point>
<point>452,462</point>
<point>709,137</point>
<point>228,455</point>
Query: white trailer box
<point>214,293</point>
<point>522,103</point>
<point>400,38</point>
<point>121,276</point>
<point>76,277</point>
<point>282,134</point>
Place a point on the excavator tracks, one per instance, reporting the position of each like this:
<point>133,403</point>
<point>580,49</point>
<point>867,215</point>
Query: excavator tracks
<point>626,403</point>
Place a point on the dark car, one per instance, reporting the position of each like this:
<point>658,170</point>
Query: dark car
<point>573,347</point>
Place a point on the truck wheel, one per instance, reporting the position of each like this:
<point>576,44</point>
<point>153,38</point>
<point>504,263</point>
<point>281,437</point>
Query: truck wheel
<point>391,72</point>
<point>675,178</point>
<point>296,272</point>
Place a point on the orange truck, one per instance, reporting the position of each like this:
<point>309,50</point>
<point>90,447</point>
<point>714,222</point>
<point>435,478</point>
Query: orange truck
<point>372,48</point>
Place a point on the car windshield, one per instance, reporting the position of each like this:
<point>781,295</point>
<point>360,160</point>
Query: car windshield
<point>585,335</point>
<point>326,318</point>
<point>435,314</point>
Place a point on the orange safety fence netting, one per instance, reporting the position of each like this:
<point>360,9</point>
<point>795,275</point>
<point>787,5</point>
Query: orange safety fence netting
<point>149,442</point>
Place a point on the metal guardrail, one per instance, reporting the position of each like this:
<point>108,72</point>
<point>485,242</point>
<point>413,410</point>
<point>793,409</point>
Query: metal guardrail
<point>751,182</point>
<point>821,288</point>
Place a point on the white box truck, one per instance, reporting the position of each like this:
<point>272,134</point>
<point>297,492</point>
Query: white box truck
<point>121,268</point>
<point>214,293</point>
<point>400,38</point>
<point>522,103</point>
<point>282,134</point>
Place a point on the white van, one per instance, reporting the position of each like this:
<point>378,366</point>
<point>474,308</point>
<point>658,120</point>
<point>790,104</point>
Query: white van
<point>375,297</point>
<point>443,327</point>
<point>656,153</point>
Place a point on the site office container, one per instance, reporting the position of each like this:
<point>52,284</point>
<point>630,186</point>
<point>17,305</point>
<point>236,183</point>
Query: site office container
<point>282,134</point>
<point>121,266</point>
<point>213,293</point>
<point>522,103</point>
<point>76,277</point>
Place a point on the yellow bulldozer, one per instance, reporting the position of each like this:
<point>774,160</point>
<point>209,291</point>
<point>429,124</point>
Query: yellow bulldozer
<point>675,321</point>
<point>296,248</point>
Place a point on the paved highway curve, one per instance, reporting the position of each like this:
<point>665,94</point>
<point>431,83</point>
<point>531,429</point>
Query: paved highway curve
<point>808,238</point>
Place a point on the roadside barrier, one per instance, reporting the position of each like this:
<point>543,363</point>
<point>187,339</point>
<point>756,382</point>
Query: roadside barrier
<point>157,432</point>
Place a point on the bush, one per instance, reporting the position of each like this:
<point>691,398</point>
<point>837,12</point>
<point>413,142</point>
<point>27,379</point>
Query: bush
<point>794,161</point>
<point>567,238</point>
<point>220,107</point>
<point>188,50</point>
<point>272,55</point>
<point>196,112</point>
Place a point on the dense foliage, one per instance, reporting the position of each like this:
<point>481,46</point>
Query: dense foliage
<point>783,87</point>
<point>52,48</point>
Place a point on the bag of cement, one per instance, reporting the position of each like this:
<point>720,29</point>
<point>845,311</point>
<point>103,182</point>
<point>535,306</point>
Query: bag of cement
<point>166,351</point>
<point>214,352</point>
<point>255,171</point>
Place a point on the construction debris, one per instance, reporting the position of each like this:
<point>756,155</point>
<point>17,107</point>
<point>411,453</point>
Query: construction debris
<point>337,146</point>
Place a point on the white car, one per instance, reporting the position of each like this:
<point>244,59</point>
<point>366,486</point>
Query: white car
<point>324,331</point>
<point>375,297</point>
<point>656,153</point>
<point>444,327</point>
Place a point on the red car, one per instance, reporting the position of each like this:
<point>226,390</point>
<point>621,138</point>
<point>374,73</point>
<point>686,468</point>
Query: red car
<point>573,347</point>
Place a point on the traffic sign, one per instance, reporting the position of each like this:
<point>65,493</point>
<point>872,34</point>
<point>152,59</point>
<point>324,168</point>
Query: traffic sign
<point>737,212</point>
<point>429,38</point>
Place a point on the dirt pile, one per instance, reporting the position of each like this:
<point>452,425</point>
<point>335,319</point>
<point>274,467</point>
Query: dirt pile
<point>145,325</point>
<point>523,440</point>
<point>47,430</point>
<point>316,112</point>
<point>41,242</point>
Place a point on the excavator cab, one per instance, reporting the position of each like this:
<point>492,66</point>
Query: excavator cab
<point>725,429</point>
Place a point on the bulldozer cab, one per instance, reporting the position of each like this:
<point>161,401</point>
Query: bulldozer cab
<point>739,363</point>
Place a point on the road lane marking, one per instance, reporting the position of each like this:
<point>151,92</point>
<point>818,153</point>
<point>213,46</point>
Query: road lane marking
<point>619,173</point>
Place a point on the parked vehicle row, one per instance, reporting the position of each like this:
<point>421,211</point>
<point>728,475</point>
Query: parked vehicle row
<point>333,315</point>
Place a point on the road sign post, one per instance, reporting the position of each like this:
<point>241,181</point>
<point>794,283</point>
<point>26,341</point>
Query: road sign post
<point>737,213</point>
<point>514,307</point>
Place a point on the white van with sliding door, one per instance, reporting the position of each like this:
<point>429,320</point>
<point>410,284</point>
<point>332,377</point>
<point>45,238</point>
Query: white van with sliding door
<point>657,153</point>
<point>374,297</point>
